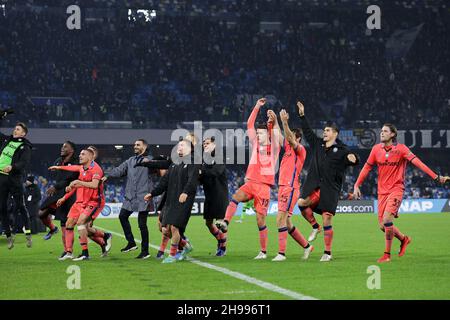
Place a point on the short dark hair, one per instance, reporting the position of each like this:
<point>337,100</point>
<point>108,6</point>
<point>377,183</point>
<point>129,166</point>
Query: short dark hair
<point>144,142</point>
<point>71,144</point>
<point>333,127</point>
<point>393,129</point>
<point>261,126</point>
<point>298,133</point>
<point>212,139</point>
<point>23,126</point>
<point>188,142</point>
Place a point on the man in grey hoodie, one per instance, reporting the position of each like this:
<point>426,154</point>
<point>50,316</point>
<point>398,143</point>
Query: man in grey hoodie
<point>138,184</point>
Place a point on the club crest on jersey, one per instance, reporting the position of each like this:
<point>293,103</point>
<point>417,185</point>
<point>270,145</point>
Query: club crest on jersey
<point>387,155</point>
<point>185,166</point>
<point>335,149</point>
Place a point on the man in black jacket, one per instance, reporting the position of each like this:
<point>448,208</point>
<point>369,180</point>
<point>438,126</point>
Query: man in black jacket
<point>214,180</point>
<point>32,199</point>
<point>326,173</point>
<point>15,155</point>
<point>180,184</point>
<point>57,191</point>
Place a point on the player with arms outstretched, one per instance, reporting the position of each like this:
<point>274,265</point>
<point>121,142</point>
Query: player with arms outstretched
<point>88,205</point>
<point>391,158</point>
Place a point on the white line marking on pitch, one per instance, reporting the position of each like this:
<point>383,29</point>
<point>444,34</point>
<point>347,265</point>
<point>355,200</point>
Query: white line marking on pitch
<point>237,275</point>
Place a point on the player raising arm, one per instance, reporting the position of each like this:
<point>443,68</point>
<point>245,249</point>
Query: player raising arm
<point>391,158</point>
<point>289,188</point>
<point>260,176</point>
<point>329,160</point>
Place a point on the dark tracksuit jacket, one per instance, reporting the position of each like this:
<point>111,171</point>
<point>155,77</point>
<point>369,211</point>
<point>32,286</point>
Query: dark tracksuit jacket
<point>11,184</point>
<point>181,178</point>
<point>326,170</point>
<point>62,180</point>
<point>214,180</point>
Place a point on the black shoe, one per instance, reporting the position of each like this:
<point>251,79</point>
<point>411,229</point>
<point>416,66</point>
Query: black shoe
<point>143,255</point>
<point>129,247</point>
<point>82,257</point>
<point>104,252</point>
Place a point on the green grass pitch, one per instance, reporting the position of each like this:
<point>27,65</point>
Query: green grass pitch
<point>423,273</point>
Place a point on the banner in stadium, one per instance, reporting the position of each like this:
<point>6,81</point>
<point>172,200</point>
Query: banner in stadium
<point>422,205</point>
<point>366,138</point>
<point>112,210</point>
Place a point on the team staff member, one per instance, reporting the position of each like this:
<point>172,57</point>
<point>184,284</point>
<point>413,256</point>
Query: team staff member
<point>214,180</point>
<point>15,156</point>
<point>180,184</point>
<point>32,198</point>
<point>159,165</point>
<point>330,158</point>
<point>137,186</point>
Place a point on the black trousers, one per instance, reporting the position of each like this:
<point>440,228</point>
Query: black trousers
<point>7,189</point>
<point>124,216</point>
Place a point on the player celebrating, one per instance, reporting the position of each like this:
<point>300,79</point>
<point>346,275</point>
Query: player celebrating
<point>56,191</point>
<point>15,154</point>
<point>214,180</point>
<point>391,158</point>
<point>137,185</point>
<point>180,184</point>
<point>259,178</point>
<point>330,158</point>
<point>89,203</point>
<point>159,165</point>
<point>289,188</point>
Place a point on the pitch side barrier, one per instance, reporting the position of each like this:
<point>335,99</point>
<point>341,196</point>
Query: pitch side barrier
<point>112,210</point>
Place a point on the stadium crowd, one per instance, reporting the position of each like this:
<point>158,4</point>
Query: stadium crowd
<point>180,68</point>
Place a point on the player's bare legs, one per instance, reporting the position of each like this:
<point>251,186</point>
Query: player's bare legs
<point>307,213</point>
<point>70,225</point>
<point>388,224</point>
<point>389,232</point>
<point>82,226</point>
<point>174,242</point>
<point>44,216</point>
<point>282,217</point>
<point>103,239</point>
<point>165,237</point>
<point>219,235</point>
<point>239,196</point>
<point>404,239</point>
<point>327,236</point>
<point>294,233</point>
<point>261,222</point>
